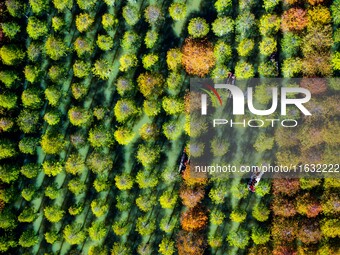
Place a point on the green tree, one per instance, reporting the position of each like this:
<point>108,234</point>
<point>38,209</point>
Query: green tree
<point>105,42</point>
<point>174,82</point>
<point>83,46</point>
<point>238,239</point>
<point>268,46</point>
<point>223,26</point>
<point>34,51</point>
<point>131,14</point>
<point>99,163</point>
<point>260,236</point>
<point>244,70</point>
<point>244,25</point>
<point>28,193</point>
<point>222,5</point>
<point>168,224</point>
<point>150,85</point>
<point>52,95</point>
<point>52,168</point>
<point>109,21</point>
<point>36,28</point>
<point>99,112</point>
<point>145,202</point>
<point>217,195</point>
<point>27,120</point>
<point>8,100</point>
<point>57,23</point>
<point>28,145</point>
<point>79,90</point>
<point>148,131</point>
<point>15,8</point>
<point>32,73</point>
<point>31,98</point>
<point>268,69</point>
<point>123,182</point>
<point>100,137</point>
<point>101,183</point>
<point>39,6</point>
<point>147,155</point>
<point>86,4</point>
<point>130,42</point>
<point>174,59</point>
<point>120,249</point>
<point>151,107</point>
<point>102,69</point>
<point>74,234</point>
<point>238,215</point>
<point>146,179</point>
<point>260,212</point>
<point>330,228</point>
<point>127,61</point>
<point>97,250</point>
<point>291,44</point>
<point>52,191</point>
<point>76,209</point>
<point>75,164</point>
<point>62,5</point>
<point>53,213</point>
<point>76,186</point>
<point>124,135</point>
<point>269,5</point>
<point>166,247</point>
<point>79,116</point>
<point>335,8</point>
<point>99,207</point>
<point>28,239</point>
<point>264,143</point>
<point>124,86</point>
<point>52,236</point>
<point>52,117</point>
<point>173,106</point>
<point>172,129</point>
<point>125,109</point>
<point>336,61</point>
<point>151,38</point>
<point>222,51</point>
<point>6,124</point>
<point>168,200</point>
<point>145,225</point>
<point>10,29</point>
<point>97,231</point>
<point>291,67</point>
<point>178,11</point>
<point>149,61</point>
<point>218,147</point>
<point>55,48</point>
<point>30,170</point>
<point>84,22</point>
<point>263,188</point>
<point>28,215</point>
<point>217,217</point>
<point>9,173</point>
<point>11,55</point>
<point>198,27</point>
<point>8,78</point>
<point>269,25</point>
<point>245,47</point>
<point>8,148</point>
<point>81,69</point>
<point>8,219</point>
<point>52,143</point>
<point>152,14</point>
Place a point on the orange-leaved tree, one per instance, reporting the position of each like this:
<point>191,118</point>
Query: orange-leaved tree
<point>198,56</point>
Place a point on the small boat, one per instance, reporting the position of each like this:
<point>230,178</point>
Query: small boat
<point>184,161</point>
<point>254,180</point>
